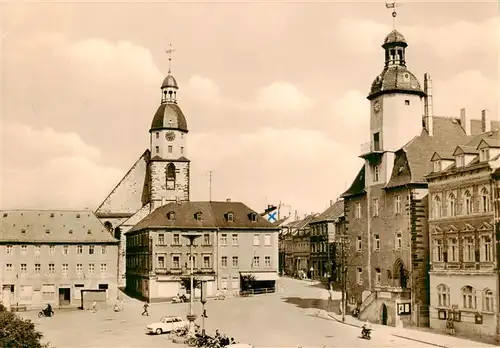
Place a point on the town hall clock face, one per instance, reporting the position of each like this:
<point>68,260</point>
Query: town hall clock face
<point>170,136</point>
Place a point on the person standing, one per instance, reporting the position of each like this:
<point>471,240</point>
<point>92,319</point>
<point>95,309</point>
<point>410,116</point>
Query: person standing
<point>145,311</point>
<point>94,306</point>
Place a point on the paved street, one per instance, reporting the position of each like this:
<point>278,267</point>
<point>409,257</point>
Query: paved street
<point>285,319</point>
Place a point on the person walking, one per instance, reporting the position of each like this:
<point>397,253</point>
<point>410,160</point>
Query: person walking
<point>94,306</point>
<point>145,311</point>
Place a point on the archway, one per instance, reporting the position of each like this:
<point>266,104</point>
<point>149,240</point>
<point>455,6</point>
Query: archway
<point>399,273</point>
<point>383,314</point>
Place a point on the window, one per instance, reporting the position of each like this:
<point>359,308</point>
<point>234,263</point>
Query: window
<point>436,207</point>
<point>91,268</point>
<point>65,249</point>
<point>452,250</point>
<point>377,242</point>
<point>171,215</point>
<point>37,249</point>
<point>52,249</point>
<point>378,276</point>
<point>104,269</point>
<point>443,293</point>
<point>193,259</point>
<point>79,249</point>
<point>488,301</point>
<point>79,269</point>
<point>469,250</point>
<point>235,283</point>
<point>486,249</point>
<point>161,239</point>
<point>169,148</point>
<point>484,155</point>
<point>224,261</point>
<point>437,166</point>
<point>399,240</point>
<point>438,250</point>
<point>157,149</point>
<point>170,176</point>
<point>485,201</point>
<point>267,239</point>
<point>230,217</point>
<point>452,205</point>
<point>48,292</point>
<point>256,261</point>
<point>223,283</point>
<point>176,239</point>
<point>64,269</point>
<point>376,141</point>
<point>206,261</point>
<point>91,250</point>
<point>358,244</point>
<point>8,249</point>
<point>235,239</point>
<point>37,268</point>
<point>397,205</point>
<point>376,173</point>
<point>157,134</point>
<point>161,261</point>
<point>460,161</point>
<point>176,262</point>
<point>223,239</point>
<point>407,102</point>
<point>24,269</point>
<point>52,268</point>
<point>469,297</point>
<point>468,203</point>
<point>375,207</point>
<point>182,150</point>
<point>24,248</point>
<point>235,261</point>
<point>359,275</point>
<point>267,261</point>
<point>358,210</point>
<point>198,216</point>
<point>256,239</point>
<point>8,267</point>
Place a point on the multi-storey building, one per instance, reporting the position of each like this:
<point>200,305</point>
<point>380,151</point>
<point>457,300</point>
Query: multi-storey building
<point>301,246</point>
<point>464,282</point>
<point>324,229</point>
<point>386,206</point>
<point>51,256</point>
<point>234,241</point>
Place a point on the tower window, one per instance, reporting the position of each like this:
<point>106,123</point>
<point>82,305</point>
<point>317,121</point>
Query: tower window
<point>169,148</point>
<point>407,102</point>
<point>170,176</point>
<point>182,150</point>
<point>157,135</point>
<point>157,149</point>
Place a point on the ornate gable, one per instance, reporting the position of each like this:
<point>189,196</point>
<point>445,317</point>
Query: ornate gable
<point>485,227</point>
<point>452,229</point>
<point>437,230</point>
<point>468,228</point>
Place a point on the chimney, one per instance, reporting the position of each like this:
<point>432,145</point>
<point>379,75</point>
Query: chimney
<point>331,202</point>
<point>428,106</point>
<point>485,121</point>
<point>228,200</point>
<point>464,121</point>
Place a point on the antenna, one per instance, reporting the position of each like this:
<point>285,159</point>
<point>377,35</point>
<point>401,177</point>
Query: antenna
<point>210,186</point>
<point>393,5</point>
<point>169,51</point>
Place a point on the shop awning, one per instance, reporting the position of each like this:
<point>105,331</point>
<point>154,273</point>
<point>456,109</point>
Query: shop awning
<point>262,275</point>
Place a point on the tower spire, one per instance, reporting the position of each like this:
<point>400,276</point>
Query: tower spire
<point>169,51</point>
<point>393,5</point>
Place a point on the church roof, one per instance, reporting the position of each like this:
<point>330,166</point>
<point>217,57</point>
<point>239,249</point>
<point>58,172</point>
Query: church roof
<point>394,37</point>
<point>395,78</point>
<point>52,226</point>
<point>169,116</point>
<point>214,215</point>
<point>169,81</point>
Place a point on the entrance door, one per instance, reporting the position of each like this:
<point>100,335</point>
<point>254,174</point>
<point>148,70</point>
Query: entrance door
<point>384,314</point>
<point>64,297</point>
<point>8,295</point>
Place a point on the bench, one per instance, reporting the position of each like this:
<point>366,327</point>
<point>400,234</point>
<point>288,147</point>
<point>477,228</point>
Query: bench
<point>18,308</point>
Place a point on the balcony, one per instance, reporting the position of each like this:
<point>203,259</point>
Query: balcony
<point>371,150</point>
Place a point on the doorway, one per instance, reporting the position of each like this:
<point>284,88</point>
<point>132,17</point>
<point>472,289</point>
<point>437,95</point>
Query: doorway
<point>384,314</point>
<point>64,297</point>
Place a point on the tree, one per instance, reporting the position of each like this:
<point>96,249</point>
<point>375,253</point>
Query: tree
<point>247,282</point>
<point>186,282</point>
<point>18,332</point>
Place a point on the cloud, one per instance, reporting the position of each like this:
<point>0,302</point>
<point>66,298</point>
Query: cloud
<point>283,97</point>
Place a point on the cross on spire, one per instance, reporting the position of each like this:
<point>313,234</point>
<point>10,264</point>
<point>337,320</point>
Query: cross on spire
<point>393,5</point>
<point>169,51</point>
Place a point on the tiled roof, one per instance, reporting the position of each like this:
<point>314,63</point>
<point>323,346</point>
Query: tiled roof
<point>214,215</point>
<point>469,150</point>
<point>358,185</point>
<point>332,213</point>
<point>52,226</point>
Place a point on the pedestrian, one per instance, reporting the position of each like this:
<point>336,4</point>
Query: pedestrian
<point>145,312</point>
<point>94,306</point>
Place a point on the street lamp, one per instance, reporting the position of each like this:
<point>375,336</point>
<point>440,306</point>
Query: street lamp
<point>191,317</point>
<point>344,243</point>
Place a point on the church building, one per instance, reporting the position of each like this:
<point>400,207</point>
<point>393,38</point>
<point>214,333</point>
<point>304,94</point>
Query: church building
<point>386,206</point>
<point>159,176</point>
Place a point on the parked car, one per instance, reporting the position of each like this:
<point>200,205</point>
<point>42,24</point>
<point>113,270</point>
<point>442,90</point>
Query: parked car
<point>166,324</point>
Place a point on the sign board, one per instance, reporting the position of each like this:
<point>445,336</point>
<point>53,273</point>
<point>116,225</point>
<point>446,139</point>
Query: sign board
<point>404,308</point>
<point>385,294</point>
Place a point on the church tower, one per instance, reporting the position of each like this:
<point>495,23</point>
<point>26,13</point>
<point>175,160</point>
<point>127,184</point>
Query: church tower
<point>396,100</point>
<point>169,166</point>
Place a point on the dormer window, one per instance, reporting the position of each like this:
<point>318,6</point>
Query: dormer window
<point>47,231</point>
<point>77,216</point>
<point>23,231</point>
<point>484,155</point>
<point>253,216</point>
<point>89,231</point>
<point>171,215</point>
<point>460,161</point>
<point>230,217</point>
<point>437,166</point>
<point>198,216</point>
<point>51,214</point>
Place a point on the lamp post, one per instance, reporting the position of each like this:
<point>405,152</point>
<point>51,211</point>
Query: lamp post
<point>344,243</point>
<point>191,317</point>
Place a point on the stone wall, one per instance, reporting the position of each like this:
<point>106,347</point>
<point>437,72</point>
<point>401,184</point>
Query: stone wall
<point>159,191</point>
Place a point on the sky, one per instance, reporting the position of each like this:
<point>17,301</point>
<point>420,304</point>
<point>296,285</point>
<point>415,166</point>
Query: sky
<point>274,92</point>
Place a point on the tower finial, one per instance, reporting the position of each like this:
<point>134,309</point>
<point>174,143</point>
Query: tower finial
<point>393,5</point>
<point>169,51</point>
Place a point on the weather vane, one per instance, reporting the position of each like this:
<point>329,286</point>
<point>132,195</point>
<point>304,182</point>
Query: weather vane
<point>169,51</point>
<point>393,5</point>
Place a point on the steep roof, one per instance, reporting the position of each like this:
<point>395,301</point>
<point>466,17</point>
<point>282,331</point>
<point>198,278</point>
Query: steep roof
<point>52,226</point>
<point>358,185</point>
<point>332,213</point>
<point>214,215</point>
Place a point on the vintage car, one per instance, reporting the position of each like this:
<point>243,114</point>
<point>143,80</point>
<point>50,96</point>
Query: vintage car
<point>166,324</point>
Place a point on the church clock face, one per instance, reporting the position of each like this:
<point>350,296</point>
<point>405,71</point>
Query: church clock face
<point>170,136</point>
<point>376,106</point>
